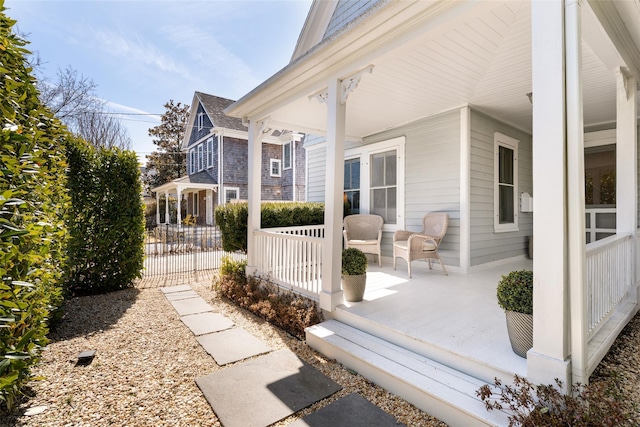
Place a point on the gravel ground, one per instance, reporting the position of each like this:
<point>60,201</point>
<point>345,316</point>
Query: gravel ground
<point>146,363</point>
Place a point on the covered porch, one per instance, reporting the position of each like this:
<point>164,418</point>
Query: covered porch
<point>195,192</point>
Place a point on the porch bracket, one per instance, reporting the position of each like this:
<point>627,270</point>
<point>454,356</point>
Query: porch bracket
<point>350,84</point>
<point>321,96</point>
<point>626,76</point>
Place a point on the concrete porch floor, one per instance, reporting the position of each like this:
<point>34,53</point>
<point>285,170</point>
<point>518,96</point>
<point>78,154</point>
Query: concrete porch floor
<point>453,319</point>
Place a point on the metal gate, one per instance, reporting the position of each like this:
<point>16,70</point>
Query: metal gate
<point>181,251</point>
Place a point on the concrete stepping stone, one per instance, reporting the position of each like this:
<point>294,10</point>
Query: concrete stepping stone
<point>188,306</point>
<point>206,323</point>
<point>350,411</point>
<point>178,288</point>
<point>232,345</point>
<point>175,296</point>
<point>264,390</point>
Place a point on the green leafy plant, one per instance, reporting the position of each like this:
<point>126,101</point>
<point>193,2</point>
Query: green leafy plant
<point>231,218</point>
<point>283,308</point>
<point>33,203</point>
<point>354,262</point>
<point>515,292</point>
<point>593,405</point>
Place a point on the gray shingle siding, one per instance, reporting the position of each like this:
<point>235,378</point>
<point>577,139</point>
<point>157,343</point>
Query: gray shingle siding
<point>207,126</point>
<point>345,12</point>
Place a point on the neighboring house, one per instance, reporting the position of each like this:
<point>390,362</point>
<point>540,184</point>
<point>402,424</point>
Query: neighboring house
<point>217,161</point>
<point>487,110</point>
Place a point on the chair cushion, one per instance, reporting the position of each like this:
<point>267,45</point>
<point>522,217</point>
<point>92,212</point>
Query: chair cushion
<point>363,242</point>
<point>426,246</point>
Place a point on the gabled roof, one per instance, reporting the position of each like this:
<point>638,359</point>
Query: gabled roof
<point>214,107</point>
<point>201,180</point>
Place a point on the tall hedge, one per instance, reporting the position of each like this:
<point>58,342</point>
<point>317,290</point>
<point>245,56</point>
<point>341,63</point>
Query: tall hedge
<point>32,207</point>
<point>232,219</point>
<point>106,221</point>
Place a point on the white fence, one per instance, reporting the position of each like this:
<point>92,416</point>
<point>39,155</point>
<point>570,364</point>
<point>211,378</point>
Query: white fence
<point>609,277</point>
<point>291,257</point>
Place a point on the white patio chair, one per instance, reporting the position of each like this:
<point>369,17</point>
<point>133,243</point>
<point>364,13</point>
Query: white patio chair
<point>423,245</point>
<point>364,231</point>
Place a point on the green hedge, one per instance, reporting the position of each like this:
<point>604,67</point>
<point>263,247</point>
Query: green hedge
<point>232,219</point>
<point>32,208</point>
<point>106,225</point>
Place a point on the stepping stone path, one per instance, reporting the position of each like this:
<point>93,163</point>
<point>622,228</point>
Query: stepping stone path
<point>263,390</point>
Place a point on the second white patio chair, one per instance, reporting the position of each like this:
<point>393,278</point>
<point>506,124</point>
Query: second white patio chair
<point>423,245</point>
<point>364,232</point>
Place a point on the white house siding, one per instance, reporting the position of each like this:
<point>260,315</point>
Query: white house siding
<point>486,245</point>
<point>316,166</point>
<point>432,176</point>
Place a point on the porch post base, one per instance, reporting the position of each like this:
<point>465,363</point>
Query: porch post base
<point>543,369</point>
<point>329,301</point>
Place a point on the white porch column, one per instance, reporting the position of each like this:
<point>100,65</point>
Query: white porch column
<point>166,208</point>
<point>255,189</point>
<point>465,189</point>
<point>331,294</point>
<point>157,207</point>
<point>179,211</point>
<point>209,207</point>
<point>549,357</point>
<point>627,160</point>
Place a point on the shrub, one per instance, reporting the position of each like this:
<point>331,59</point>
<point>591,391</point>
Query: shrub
<point>354,262</point>
<point>593,405</point>
<point>283,308</point>
<point>106,247</point>
<point>33,201</point>
<point>515,292</point>
<point>232,219</point>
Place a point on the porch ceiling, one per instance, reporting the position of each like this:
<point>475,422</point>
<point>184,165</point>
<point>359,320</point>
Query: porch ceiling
<point>481,58</point>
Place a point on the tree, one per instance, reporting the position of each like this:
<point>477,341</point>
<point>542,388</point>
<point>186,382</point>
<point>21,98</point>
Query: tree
<point>168,162</point>
<point>72,98</point>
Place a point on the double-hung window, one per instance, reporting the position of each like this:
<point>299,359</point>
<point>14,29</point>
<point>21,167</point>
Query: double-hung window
<point>274,166</point>
<point>192,161</point>
<point>505,196</point>
<point>286,155</point>
<point>200,157</point>
<point>374,181</point>
<point>200,121</point>
<point>209,152</point>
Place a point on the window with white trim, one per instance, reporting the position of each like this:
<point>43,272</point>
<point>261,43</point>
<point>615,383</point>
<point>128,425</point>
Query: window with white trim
<point>374,181</point>
<point>200,157</point>
<point>274,167</point>
<point>192,161</point>
<point>505,191</point>
<point>287,155</point>
<point>195,203</point>
<point>209,152</point>
<point>200,121</point>
<point>231,193</point>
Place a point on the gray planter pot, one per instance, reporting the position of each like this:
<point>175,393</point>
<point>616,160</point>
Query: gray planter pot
<point>353,287</point>
<point>520,328</point>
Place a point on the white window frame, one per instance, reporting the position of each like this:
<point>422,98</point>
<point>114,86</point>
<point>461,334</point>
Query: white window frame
<point>501,140</point>
<point>209,152</point>
<point>227,189</point>
<point>192,161</point>
<point>365,152</point>
<point>287,147</point>
<point>200,121</point>
<point>196,204</point>
<point>273,162</point>
<point>200,157</point>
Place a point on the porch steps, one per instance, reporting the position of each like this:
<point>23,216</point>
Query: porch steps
<point>443,392</point>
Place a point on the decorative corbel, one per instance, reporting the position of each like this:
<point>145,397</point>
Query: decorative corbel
<point>349,84</point>
<point>625,76</point>
<point>320,96</point>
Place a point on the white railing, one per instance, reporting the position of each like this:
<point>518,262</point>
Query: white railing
<point>609,270</point>
<point>291,257</point>
<point>594,218</point>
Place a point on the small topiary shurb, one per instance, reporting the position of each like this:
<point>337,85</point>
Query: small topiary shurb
<point>515,292</point>
<point>354,262</point>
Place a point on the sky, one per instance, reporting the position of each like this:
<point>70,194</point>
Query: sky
<point>143,53</point>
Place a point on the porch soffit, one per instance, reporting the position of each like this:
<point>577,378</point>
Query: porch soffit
<point>479,57</point>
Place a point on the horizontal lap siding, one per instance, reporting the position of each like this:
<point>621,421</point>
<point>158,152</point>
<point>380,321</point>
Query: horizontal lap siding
<point>316,166</point>
<point>432,176</point>
<point>486,245</point>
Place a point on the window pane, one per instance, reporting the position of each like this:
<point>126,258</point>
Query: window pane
<point>506,214</point>
<point>392,210</point>
<point>379,202</point>
<point>287,155</point>
<point>355,173</point>
<point>347,175</point>
<point>506,166</point>
<point>377,170</point>
<point>390,168</point>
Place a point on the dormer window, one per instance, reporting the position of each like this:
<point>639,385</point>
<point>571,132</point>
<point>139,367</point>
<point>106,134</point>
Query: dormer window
<point>200,121</point>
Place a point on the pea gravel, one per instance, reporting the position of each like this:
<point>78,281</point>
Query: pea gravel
<point>146,362</point>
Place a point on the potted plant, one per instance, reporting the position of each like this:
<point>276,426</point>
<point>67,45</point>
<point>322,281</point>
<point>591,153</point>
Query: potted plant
<point>354,274</point>
<point>515,296</point>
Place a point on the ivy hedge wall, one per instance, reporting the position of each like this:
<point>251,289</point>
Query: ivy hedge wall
<point>33,201</point>
<point>106,221</point>
<point>232,219</point>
